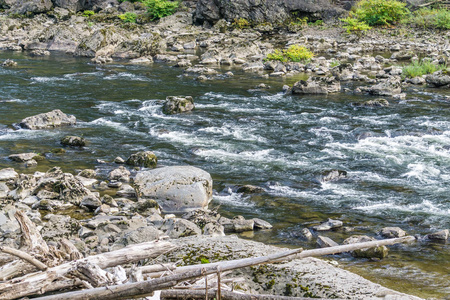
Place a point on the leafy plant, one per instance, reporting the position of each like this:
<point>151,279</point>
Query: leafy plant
<point>88,13</point>
<point>380,12</point>
<point>334,63</point>
<point>158,9</point>
<point>241,23</point>
<point>353,24</point>
<point>128,17</point>
<point>295,53</point>
<point>419,68</point>
<point>430,18</point>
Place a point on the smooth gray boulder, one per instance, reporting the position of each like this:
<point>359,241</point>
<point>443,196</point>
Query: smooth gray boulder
<point>22,157</point>
<point>54,118</point>
<point>175,188</point>
<point>8,174</point>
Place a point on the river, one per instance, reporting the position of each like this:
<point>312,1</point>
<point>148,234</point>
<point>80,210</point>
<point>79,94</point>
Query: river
<point>397,159</point>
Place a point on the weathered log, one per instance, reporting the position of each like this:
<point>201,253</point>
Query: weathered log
<point>38,283</point>
<point>25,256</point>
<point>226,295</point>
<point>31,238</point>
<point>70,249</point>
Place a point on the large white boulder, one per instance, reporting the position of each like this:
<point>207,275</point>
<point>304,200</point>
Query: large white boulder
<point>175,188</point>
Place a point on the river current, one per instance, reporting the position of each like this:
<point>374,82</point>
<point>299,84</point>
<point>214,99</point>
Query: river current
<point>397,159</point>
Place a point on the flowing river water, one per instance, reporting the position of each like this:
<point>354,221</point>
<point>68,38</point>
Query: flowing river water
<point>397,159</point>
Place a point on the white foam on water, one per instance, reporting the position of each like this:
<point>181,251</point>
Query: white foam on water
<point>235,199</point>
<point>13,101</point>
<point>425,206</point>
<point>127,76</point>
<point>42,79</point>
<point>425,173</point>
<point>108,123</point>
<point>255,156</point>
<point>238,132</point>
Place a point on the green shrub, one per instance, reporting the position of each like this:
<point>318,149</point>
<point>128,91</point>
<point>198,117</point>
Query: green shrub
<point>295,53</point>
<point>241,23</point>
<point>158,9</point>
<point>128,17</point>
<point>442,19</point>
<point>380,12</point>
<point>88,13</point>
<point>430,18</point>
<point>419,68</point>
<point>353,24</point>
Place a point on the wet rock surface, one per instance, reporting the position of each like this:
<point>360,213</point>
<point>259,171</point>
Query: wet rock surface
<point>51,119</point>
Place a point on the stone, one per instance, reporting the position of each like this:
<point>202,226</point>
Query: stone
<point>8,174</point>
<point>324,242</point>
<point>261,224</point>
<point>91,202</point>
<point>388,87</point>
<point>332,175</point>
<point>214,229</point>
<point>9,63</point>
<point>250,189</point>
<point>343,72</point>
<point>114,184</point>
<point>176,228</point>
<point>306,234</point>
<point>438,79</point>
<point>402,55</point>
<point>119,174</point>
<point>73,141</point>
<point>317,85</point>
<point>4,189</point>
<point>126,190</point>
<point>392,232</point>
<point>375,252</point>
<point>119,160</point>
<point>178,104</point>
<point>141,235</point>
<point>328,225</point>
<point>51,119</point>
<point>240,224</point>
<point>146,159</point>
<point>88,173</point>
<point>22,157</point>
<point>441,235</point>
<point>72,5</point>
<point>40,53</point>
<point>380,102</point>
<point>23,7</point>
<point>175,188</point>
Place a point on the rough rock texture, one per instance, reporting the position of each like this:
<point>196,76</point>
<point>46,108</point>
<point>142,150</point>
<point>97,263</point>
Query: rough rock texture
<point>146,159</point>
<point>30,6</point>
<point>270,11</point>
<point>176,188</point>
<point>310,277</point>
<point>52,119</point>
<point>375,252</point>
<point>389,87</point>
<point>392,232</point>
<point>439,235</point>
<point>8,174</point>
<point>174,105</point>
<point>438,79</point>
<point>317,85</point>
<point>22,157</point>
<point>73,5</point>
<point>74,141</point>
<point>380,102</point>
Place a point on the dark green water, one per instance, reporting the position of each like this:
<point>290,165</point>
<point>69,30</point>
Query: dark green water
<point>397,158</point>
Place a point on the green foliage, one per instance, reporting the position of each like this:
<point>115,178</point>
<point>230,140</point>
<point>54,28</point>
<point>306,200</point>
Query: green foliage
<point>353,24</point>
<point>295,53</point>
<point>128,17</point>
<point>88,13</point>
<point>158,9</point>
<point>334,63</point>
<point>204,260</point>
<point>380,12</point>
<point>241,23</point>
<point>430,18</point>
<point>419,68</point>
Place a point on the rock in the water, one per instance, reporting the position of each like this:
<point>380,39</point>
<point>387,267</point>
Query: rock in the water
<point>91,202</point>
<point>332,175</point>
<point>438,79</point>
<point>22,157</point>
<point>375,252</point>
<point>51,119</point>
<point>317,85</point>
<point>30,163</point>
<point>392,232</point>
<point>261,224</point>
<point>88,173</point>
<point>146,159</point>
<point>73,141</point>
<point>174,105</point>
<point>250,189</point>
<point>439,235</point>
<point>380,102</point>
<point>328,225</point>
<point>120,174</point>
<point>240,224</point>
<point>324,242</point>
<point>214,229</point>
<point>389,87</point>
<point>176,188</point>
<point>119,160</point>
<point>9,63</point>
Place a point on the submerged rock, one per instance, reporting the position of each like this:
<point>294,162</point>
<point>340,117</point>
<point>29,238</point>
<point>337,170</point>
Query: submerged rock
<point>392,232</point>
<point>73,141</point>
<point>178,104</point>
<point>52,119</point>
<point>22,157</point>
<point>9,63</point>
<point>439,235</point>
<point>380,102</point>
<point>317,85</point>
<point>328,225</point>
<point>324,242</point>
<point>332,175</point>
<point>146,159</point>
<point>175,188</point>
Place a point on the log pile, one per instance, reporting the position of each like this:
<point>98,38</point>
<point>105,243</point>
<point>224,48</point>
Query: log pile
<point>61,272</point>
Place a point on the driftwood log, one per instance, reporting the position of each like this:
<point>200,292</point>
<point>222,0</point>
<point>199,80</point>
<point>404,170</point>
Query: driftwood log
<point>145,288</point>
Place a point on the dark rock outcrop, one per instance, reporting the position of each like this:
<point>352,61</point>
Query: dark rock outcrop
<point>317,85</point>
<point>262,11</point>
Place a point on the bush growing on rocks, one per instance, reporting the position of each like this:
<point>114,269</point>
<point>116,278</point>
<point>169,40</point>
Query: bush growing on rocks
<point>419,68</point>
<point>158,9</point>
<point>380,12</point>
<point>294,53</point>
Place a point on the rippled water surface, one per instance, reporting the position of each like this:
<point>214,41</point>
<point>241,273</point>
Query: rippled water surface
<point>397,158</point>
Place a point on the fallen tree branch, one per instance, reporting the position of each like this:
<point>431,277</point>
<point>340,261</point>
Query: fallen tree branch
<point>25,256</point>
<point>142,289</point>
<point>226,295</point>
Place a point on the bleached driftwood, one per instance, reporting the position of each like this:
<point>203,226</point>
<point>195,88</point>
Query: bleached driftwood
<point>39,283</point>
<point>142,289</point>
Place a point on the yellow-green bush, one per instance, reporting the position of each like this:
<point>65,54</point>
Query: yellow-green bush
<point>295,53</point>
<point>380,12</point>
